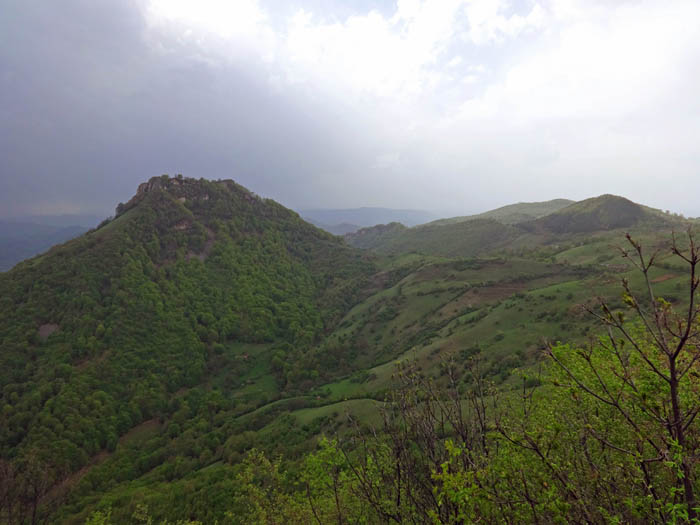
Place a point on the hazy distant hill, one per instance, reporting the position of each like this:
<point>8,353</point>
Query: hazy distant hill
<point>335,229</point>
<point>513,213</point>
<point>63,220</point>
<point>459,239</point>
<point>20,240</point>
<point>339,222</point>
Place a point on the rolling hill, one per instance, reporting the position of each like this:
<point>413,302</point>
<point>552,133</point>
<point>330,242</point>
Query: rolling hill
<point>478,235</point>
<point>336,229</point>
<point>512,213</point>
<point>375,237</point>
<point>459,239</point>
<point>604,213</point>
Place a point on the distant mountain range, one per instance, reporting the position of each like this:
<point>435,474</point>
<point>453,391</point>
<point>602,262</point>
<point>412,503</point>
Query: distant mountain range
<point>342,221</point>
<point>24,237</point>
<point>63,220</point>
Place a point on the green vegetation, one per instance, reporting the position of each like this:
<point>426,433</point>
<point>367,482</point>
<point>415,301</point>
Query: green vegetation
<point>607,212</point>
<point>375,236</point>
<point>143,320</point>
<point>462,239</point>
<point>184,360</point>
<point>603,433</point>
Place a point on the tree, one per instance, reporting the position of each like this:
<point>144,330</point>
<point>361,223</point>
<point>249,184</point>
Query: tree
<point>611,435</point>
<point>625,445</point>
<point>424,422</point>
<point>654,388</point>
<point>28,490</point>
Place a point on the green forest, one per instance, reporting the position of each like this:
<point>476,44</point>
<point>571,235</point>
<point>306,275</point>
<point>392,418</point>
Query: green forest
<point>207,356</point>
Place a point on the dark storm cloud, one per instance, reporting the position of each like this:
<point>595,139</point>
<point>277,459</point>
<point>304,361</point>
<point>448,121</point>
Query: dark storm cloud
<point>58,63</point>
<point>90,110</point>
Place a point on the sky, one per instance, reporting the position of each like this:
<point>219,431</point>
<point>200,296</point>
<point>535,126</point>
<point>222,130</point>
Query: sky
<point>453,106</point>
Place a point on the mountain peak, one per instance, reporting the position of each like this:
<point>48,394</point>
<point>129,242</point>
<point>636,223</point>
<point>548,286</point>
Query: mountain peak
<point>184,189</point>
<point>602,213</point>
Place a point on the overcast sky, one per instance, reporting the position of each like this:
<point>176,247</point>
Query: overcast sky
<point>449,105</point>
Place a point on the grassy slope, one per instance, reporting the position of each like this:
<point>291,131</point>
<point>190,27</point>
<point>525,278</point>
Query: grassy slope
<point>604,213</point>
<point>559,224</point>
<point>375,236</point>
<point>512,213</point>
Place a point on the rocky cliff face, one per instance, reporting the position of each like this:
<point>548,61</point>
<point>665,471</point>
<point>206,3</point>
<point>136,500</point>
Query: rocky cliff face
<point>182,189</point>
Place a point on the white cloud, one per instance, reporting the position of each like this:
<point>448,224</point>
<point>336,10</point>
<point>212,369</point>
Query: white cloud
<point>224,18</point>
<point>373,54</point>
<point>489,24</point>
<point>434,104</point>
<point>601,63</point>
<point>456,61</point>
<point>219,31</point>
<point>401,56</point>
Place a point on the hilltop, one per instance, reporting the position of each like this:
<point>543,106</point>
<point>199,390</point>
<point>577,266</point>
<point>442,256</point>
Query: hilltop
<point>604,213</point>
<point>512,213</point>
